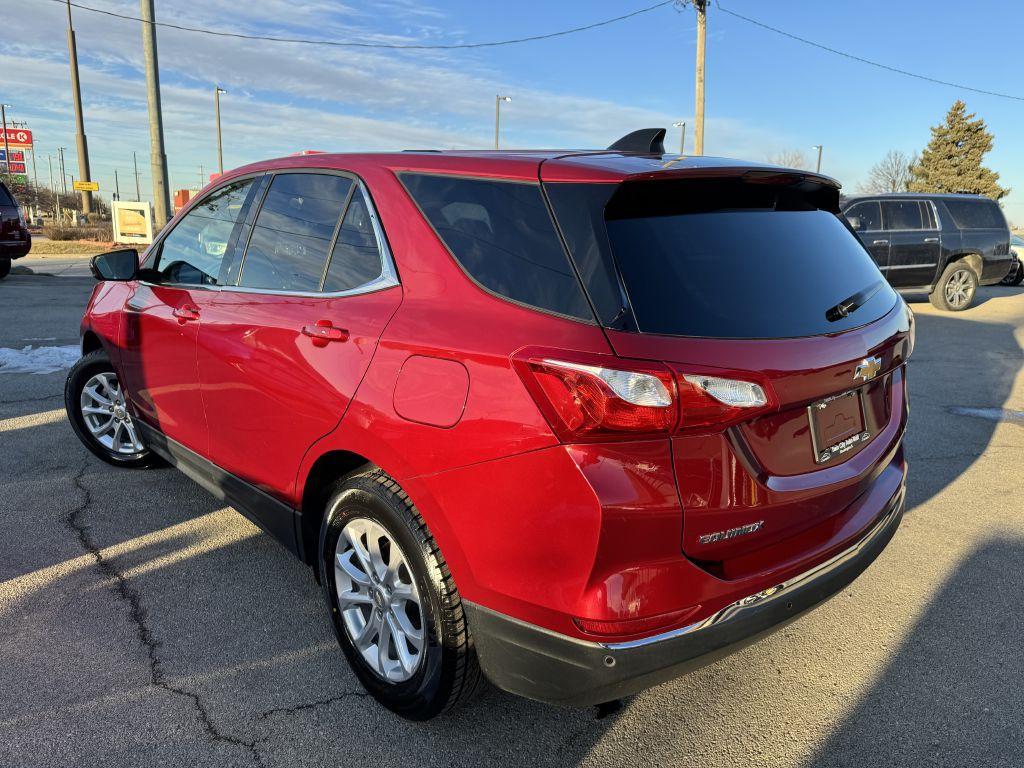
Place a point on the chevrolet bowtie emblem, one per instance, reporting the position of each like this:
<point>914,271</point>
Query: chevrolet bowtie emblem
<point>868,368</point>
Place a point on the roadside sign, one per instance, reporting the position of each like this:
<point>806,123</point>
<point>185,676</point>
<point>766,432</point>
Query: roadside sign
<point>16,157</point>
<point>133,222</point>
<point>18,138</point>
<point>12,167</point>
<point>87,186</point>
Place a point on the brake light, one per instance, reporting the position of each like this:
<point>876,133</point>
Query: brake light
<point>715,401</point>
<point>589,398</point>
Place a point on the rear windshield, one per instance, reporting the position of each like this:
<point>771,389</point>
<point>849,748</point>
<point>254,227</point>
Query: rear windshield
<point>975,214</point>
<point>5,197</point>
<point>692,267</point>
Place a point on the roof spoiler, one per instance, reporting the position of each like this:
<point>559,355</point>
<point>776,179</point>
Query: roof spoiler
<point>646,141</point>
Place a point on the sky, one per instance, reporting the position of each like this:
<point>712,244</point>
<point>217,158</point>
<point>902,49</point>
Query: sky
<point>766,94</point>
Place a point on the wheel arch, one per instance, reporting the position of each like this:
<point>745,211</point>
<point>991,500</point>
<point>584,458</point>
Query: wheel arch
<point>90,342</point>
<point>328,468</point>
<point>972,259</point>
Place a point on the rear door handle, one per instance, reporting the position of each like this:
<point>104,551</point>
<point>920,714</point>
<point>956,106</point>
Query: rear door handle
<point>186,312</point>
<point>931,239</point>
<point>323,332</point>
<point>879,242</point>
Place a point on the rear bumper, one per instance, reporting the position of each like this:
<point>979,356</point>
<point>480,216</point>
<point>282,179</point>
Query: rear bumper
<point>546,666</point>
<point>15,249</point>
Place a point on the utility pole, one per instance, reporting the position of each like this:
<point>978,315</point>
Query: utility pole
<point>49,162</point>
<point>117,186</point>
<point>158,158</point>
<point>202,175</point>
<point>497,116</point>
<point>63,175</point>
<point>7,148</point>
<point>217,91</point>
<point>135,162</point>
<point>35,179</point>
<point>682,136</point>
<point>702,34</point>
<point>76,95</point>
<point>819,148</point>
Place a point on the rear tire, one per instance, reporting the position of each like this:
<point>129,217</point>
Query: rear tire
<point>5,268</point>
<point>95,403</point>
<point>394,588</point>
<point>956,288</point>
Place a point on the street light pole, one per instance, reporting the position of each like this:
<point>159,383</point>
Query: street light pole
<point>217,91</point>
<point>63,175</point>
<point>682,136</point>
<point>76,95</point>
<point>497,116</point>
<point>158,158</point>
<point>819,148</point>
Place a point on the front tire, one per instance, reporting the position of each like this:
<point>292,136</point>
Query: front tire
<point>5,268</point>
<point>395,609</point>
<point>956,288</point>
<point>96,407</point>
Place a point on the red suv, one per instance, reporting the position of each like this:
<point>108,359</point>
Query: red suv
<point>580,421</point>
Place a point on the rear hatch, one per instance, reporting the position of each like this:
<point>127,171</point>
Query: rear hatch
<point>750,277</point>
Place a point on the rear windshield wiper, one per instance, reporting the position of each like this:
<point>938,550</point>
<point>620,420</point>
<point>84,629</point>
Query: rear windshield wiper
<point>851,304</point>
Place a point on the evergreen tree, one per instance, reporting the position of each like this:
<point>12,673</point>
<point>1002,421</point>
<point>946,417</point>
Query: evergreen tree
<point>952,160</point>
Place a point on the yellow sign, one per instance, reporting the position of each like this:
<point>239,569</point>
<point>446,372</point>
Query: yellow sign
<point>132,222</point>
<point>87,186</point>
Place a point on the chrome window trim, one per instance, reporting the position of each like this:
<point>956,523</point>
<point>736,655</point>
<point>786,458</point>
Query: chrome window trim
<point>389,272</point>
<point>909,266</point>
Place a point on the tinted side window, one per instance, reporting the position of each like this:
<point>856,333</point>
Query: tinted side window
<point>293,231</point>
<point>355,259</point>
<point>502,235</point>
<point>5,196</point>
<point>194,251</point>
<point>971,213</point>
<point>902,214</point>
<point>869,213</point>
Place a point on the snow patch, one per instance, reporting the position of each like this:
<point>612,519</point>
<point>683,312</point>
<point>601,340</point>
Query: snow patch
<point>38,359</point>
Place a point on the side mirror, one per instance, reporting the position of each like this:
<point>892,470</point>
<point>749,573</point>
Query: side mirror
<point>855,222</point>
<point>117,265</point>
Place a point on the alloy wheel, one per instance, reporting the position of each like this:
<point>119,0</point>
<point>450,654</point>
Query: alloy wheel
<point>106,415</point>
<point>959,288</point>
<point>378,599</point>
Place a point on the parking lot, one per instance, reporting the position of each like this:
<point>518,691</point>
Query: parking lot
<point>145,624</point>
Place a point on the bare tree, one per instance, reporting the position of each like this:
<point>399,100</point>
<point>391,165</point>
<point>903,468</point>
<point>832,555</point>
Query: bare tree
<point>789,158</point>
<point>890,174</point>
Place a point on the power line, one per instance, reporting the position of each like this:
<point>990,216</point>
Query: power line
<point>862,60</point>
<point>361,44</point>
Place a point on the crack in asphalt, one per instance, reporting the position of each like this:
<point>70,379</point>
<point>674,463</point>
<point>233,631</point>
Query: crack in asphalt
<point>138,615</point>
<point>313,704</point>
<point>30,399</point>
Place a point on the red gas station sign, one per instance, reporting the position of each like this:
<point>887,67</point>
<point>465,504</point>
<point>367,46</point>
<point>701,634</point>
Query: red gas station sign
<point>20,138</point>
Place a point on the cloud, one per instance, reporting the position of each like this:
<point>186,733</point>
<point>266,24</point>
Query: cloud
<point>284,97</point>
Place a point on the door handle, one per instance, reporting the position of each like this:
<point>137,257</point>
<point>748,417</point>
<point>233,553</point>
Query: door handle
<point>931,239</point>
<point>323,332</point>
<point>879,242</point>
<point>186,312</point>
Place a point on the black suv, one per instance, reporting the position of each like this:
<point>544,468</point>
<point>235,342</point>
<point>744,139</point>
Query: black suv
<point>15,240</point>
<point>945,244</point>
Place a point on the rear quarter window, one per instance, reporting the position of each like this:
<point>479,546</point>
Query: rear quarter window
<point>502,235</point>
<point>5,197</point>
<point>970,213</point>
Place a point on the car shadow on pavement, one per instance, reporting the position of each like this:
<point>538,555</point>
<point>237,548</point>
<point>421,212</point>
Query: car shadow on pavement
<point>951,695</point>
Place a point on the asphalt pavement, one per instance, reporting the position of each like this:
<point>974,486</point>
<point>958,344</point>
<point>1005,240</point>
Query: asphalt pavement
<point>143,623</point>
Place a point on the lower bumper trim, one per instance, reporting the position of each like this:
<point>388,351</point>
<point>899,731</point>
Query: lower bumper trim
<point>546,666</point>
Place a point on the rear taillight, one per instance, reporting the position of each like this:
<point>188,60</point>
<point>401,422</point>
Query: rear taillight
<point>714,401</point>
<point>588,398</point>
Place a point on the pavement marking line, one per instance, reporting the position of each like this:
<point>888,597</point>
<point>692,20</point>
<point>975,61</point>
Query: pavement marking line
<point>33,420</point>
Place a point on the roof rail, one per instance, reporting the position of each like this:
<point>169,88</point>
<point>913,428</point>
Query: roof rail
<point>646,141</point>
